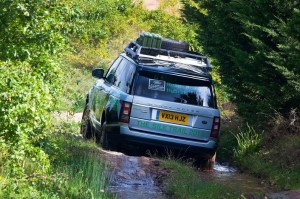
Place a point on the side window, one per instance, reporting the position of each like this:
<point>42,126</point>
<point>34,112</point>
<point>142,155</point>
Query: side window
<point>124,75</point>
<point>110,75</point>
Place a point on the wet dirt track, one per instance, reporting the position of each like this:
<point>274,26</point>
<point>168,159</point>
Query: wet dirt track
<point>141,177</point>
<point>134,177</point>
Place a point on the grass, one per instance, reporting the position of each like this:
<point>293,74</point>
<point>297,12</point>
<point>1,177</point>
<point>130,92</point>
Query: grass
<point>77,83</point>
<point>77,170</point>
<point>272,155</point>
<point>185,182</point>
<point>226,145</point>
<point>248,142</point>
<point>277,165</point>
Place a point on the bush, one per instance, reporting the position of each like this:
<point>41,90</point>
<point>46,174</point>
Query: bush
<point>30,40</point>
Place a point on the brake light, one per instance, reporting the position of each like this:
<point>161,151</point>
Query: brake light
<point>215,127</point>
<point>125,112</point>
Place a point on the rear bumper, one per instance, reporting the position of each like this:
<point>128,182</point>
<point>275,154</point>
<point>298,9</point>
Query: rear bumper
<point>123,135</point>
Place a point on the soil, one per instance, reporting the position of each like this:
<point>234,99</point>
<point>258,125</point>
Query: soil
<point>151,4</point>
<point>135,177</point>
<point>68,116</point>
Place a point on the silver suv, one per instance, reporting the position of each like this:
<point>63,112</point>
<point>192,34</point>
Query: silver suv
<point>155,97</point>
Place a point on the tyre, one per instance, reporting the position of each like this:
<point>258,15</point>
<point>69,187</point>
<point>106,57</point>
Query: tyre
<point>170,44</point>
<point>210,163</point>
<point>206,164</point>
<point>105,140</point>
<point>103,137</point>
<point>85,127</point>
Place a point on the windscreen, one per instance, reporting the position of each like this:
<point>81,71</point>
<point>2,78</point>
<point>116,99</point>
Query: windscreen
<point>174,89</point>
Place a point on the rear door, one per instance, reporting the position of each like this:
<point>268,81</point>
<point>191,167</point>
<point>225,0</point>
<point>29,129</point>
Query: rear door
<point>173,106</point>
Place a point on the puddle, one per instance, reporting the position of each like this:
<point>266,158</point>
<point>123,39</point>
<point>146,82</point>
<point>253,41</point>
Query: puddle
<point>230,177</point>
<point>131,178</point>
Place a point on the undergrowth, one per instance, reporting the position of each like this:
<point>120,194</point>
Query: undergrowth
<point>248,143</point>
<point>273,156</point>
<point>77,170</point>
<point>185,182</point>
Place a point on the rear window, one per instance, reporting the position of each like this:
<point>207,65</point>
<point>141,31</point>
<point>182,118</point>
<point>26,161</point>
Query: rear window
<point>174,89</point>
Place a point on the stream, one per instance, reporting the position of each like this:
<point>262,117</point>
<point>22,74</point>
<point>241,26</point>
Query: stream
<point>232,178</point>
<point>136,177</point>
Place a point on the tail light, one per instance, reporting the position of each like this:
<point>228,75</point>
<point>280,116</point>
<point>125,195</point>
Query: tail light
<point>215,127</point>
<point>125,112</point>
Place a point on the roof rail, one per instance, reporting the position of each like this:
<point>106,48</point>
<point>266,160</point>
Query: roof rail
<point>138,52</point>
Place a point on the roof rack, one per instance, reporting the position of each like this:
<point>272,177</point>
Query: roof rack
<point>138,53</point>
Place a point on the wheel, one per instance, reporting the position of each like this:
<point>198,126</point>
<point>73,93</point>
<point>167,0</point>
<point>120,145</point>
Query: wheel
<point>106,141</point>
<point>210,163</point>
<point>171,44</point>
<point>206,164</point>
<point>103,137</point>
<point>85,127</point>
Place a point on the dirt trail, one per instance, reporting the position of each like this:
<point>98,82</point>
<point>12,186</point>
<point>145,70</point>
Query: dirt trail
<point>135,177</point>
<point>142,177</point>
<point>68,116</point>
<point>151,4</point>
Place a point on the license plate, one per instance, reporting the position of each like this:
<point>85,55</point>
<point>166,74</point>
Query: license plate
<point>172,117</point>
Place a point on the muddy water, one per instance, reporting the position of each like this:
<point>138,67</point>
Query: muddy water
<point>131,178</point>
<point>230,177</point>
<point>136,177</point>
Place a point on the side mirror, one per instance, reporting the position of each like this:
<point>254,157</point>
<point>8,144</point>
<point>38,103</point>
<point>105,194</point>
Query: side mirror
<point>98,73</point>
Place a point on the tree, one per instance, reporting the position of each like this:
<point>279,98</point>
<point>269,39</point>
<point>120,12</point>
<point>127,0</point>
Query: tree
<point>256,43</point>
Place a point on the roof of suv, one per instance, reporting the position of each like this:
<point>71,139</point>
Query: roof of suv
<point>191,64</point>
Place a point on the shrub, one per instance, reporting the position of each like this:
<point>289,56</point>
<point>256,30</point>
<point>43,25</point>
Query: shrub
<point>30,40</point>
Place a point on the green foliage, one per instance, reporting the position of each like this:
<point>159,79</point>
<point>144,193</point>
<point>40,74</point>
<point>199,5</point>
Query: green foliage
<point>102,32</point>
<point>78,172</point>
<point>257,46</point>
<point>185,182</point>
<point>97,26</point>
<point>77,81</point>
<point>225,149</point>
<point>29,80</point>
<point>172,27</point>
<point>40,43</point>
<point>273,174</point>
<point>248,143</point>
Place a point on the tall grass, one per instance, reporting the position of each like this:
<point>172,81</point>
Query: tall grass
<point>248,143</point>
<point>274,155</point>
<point>85,175</point>
<point>77,170</point>
<point>185,182</point>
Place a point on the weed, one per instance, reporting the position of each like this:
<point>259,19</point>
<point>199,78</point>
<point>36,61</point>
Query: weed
<point>248,142</point>
<point>278,160</point>
<point>184,182</point>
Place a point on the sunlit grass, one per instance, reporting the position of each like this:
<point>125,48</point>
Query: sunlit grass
<point>185,182</point>
<point>77,170</point>
<point>77,82</point>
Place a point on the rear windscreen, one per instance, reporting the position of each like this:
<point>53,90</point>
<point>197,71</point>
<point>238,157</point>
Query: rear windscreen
<point>174,89</point>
